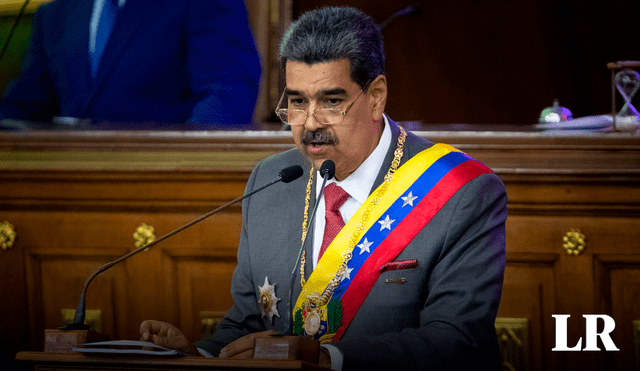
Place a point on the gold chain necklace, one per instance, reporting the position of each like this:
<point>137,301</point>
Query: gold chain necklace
<point>348,254</point>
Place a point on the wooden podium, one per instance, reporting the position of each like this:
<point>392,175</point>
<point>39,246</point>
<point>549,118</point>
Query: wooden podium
<point>44,361</point>
<point>59,189</point>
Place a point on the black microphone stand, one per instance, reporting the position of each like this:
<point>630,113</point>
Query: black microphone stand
<point>286,175</point>
<point>327,171</point>
<point>414,9</point>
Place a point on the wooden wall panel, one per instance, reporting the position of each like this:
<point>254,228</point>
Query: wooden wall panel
<point>76,198</point>
<point>590,283</point>
<point>65,233</point>
<point>14,314</point>
<point>55,277</point>
<point>203,284</point>
<point>530,292</point>
<point>619,295</point>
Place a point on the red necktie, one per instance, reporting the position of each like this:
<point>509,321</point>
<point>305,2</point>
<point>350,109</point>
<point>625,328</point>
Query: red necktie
<point>334,197</point>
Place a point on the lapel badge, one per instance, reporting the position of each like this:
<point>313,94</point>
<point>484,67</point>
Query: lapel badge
<point>268,300</point>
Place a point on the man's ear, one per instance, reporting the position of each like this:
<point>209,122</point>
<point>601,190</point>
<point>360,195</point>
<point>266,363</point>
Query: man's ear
<point>377,93</point>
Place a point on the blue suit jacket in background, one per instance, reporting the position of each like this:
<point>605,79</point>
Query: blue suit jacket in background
<point>166,61</point>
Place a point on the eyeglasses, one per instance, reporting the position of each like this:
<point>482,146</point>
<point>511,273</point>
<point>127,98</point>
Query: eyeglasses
<point>325,116</point>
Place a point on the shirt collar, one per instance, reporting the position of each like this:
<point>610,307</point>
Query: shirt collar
<point>359,183</point>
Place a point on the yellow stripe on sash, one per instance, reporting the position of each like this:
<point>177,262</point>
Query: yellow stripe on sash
<point>404,177</point>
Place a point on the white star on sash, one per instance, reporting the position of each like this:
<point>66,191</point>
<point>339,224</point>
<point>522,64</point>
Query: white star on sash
<point>364,246</point>
<point>386,223</point>
<point>408,200</point>
<point>346,275</point>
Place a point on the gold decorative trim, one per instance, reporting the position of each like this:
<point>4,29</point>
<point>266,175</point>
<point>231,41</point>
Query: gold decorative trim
<point>209,321</point>
<point>93,317</point>
<point>144,235</point>
<point>7,235</point>
<point>513,339</point>
<point>574,242</point>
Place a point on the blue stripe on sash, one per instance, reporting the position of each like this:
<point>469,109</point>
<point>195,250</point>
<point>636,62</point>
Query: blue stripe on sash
<point>419,189</point>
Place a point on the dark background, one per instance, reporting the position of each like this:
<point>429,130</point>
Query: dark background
<point>500,61</point>
<point>478,61</point>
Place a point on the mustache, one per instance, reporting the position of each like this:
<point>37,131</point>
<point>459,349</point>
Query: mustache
<point>321,136</point>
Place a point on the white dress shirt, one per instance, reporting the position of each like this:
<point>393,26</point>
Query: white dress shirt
<point>95,18</point>
<point>357,185</point>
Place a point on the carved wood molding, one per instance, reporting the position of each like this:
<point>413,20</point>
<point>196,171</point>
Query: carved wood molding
<point>513,155</point>
<point>616,294</point>
<point>34,260</point>
<point>513,339</point>
<point>549,259</point>
<point>596,174</point>
<point>86,190</point>
<point>179,285</point>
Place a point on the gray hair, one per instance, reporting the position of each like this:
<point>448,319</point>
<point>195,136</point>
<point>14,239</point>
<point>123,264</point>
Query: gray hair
<point>334,33</point>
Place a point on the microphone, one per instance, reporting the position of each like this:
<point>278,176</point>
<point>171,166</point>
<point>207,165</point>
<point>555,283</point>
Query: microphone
<point>327,171</point>
<point>414,9</point>
<point>286,175</point>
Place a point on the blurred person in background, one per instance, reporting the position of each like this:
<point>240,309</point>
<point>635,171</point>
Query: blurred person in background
<point>138,63</point>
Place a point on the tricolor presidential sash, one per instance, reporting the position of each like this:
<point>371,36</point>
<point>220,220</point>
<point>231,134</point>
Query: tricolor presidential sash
<point>375,235</point>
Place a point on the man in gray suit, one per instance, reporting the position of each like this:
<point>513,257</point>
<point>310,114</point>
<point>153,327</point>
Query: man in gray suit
<point>405,261</point>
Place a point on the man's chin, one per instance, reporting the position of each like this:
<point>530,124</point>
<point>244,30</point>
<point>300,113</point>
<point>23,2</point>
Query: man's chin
<point>317,162</point>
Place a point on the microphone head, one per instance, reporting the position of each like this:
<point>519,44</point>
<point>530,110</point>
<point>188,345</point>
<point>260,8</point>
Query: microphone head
<point>328,169</point>
<point>291,173</point>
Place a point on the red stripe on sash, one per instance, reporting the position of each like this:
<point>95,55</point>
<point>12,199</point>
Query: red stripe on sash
<point>402,235</point>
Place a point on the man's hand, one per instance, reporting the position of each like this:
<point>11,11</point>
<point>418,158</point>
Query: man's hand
<point>166,335</point>
<point>243,347</point>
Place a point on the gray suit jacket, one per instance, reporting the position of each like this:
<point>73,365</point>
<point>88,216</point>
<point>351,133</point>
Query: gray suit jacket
<point>442,317</point>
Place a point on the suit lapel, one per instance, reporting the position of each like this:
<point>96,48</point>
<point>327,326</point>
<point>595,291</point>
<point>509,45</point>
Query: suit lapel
<point>308,246</point>
<point>128,21</point>
<point>295,201</point>
<point>76,41</point>
<point>411,148</point>
<point>388,158</point>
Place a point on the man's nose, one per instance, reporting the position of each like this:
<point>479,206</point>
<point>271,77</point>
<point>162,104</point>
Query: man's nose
<point>311,123</point>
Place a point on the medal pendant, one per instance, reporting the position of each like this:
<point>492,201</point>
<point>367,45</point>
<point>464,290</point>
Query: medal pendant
<point>268,300</point>
<point>312,322</point>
